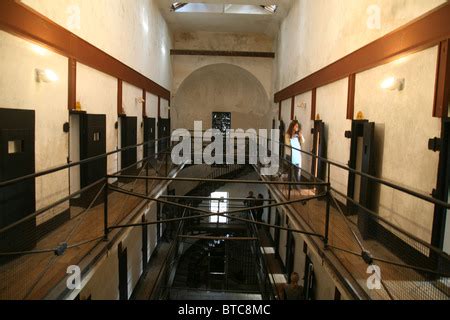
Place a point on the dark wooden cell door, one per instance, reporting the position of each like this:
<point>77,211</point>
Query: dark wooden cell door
<point>163,134</point>
<point>319,149</point>
<point>17,159</point>
<point>282,129</point>
<point>276,238</point>
<point>128,137</point>
<point>92,143</point>
<point>309,280</point>
<point>123,272</point>
<point>441,221</point>
<point>149,137</point>
<point>360,189</point>
<point>290,254</point>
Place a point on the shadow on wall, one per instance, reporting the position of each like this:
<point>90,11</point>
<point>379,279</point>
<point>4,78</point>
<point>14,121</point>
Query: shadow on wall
<point>221,88</point>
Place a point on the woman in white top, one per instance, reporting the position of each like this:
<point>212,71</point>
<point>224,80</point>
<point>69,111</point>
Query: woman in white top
<point>293,140</point>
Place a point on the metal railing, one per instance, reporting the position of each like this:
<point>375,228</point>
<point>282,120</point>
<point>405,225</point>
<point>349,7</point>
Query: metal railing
<point>42,245</point>
<point>424,275</point>
<point>416,269</point>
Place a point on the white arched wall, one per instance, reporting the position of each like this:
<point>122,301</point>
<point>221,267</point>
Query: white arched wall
<point>221,88</point>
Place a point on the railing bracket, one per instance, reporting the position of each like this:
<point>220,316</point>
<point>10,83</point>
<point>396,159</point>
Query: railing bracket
<point>61,249</point>
<point>367,257</point>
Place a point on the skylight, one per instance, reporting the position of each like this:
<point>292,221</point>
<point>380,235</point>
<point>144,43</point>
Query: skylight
<point>194,7</point>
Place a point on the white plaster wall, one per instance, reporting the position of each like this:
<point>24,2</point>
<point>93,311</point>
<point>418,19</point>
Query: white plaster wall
<point>261,68</point>
<point>133,243</point>
<point>151,106</point>
<point>325,286</point>
<point>331,105</point>
<point>133,108</point>
<point>164,109</point>
<point>299,257</point>
<point>19,90</point>
<point>286,113</point>
<point>221,88</point>
<point>97,94</point>
<point>133,32</point>
<point>403,125</point>
<point>318,32</point>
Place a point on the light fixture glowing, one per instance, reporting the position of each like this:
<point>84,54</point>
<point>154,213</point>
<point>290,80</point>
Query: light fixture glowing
<point>392,83</point>
<point>39,50</point>
<point>144,21</point>
<point>46,75</point>
<point>402,60</point>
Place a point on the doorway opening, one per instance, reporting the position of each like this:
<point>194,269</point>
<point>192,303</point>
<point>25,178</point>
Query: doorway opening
<point>359,188</point>
<point>87,139</point>
<point>319,149</point>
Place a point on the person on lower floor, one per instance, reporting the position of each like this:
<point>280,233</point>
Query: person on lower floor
<point>259,212</point>
<point>294,291</point>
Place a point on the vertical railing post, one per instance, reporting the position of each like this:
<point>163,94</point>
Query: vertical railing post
<point>167,165</point>
<point>327,217</point>
<point>146,174</point>
<point>105,210</point>
<point>290,180</point>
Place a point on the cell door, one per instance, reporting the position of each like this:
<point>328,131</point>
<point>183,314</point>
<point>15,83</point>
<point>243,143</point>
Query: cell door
<point>276,237</point>
<point>92,143</point>
<point>441,222</point>
<point>128,135</point>
<point>123,272</point>
<point>149,136</point>
<point>366,198</point>
<point>361,159</point>
<point>17,159</point>
<point>319,149</point>
<point>290,254</point>
<point>309,281</point>
<point>163,132</point>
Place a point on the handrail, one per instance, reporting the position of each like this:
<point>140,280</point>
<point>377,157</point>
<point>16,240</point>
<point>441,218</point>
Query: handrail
<point>268,275</point>
<point>376,179</point>
<point>169,256</point>
<point>72,164</point>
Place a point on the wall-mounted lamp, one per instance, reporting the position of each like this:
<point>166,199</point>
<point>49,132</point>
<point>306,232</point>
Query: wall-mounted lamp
<point>46,75</point>
<point>140,100</point>
<point>39,50</point>
<point>393,83</point>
